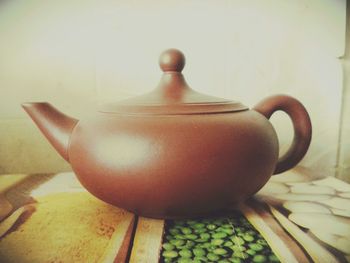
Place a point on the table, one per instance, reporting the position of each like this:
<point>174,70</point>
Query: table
<point>51,218</point>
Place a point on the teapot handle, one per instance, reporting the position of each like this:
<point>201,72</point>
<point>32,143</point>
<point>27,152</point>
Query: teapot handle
<point>301,124</point>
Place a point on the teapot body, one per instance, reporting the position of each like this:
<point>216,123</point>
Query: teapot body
<point>175,152</point>
<point>173,166</point>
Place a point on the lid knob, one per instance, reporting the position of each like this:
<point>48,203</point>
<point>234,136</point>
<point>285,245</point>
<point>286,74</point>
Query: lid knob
<point>172,60</point>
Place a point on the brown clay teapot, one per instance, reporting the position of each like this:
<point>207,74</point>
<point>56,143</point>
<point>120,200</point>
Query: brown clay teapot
<point>175,152</point>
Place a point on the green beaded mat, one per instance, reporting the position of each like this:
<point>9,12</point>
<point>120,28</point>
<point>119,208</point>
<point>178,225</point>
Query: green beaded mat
<point>219,239</point>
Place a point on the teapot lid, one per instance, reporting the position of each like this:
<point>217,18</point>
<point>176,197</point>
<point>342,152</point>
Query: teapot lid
<point>173,96</point>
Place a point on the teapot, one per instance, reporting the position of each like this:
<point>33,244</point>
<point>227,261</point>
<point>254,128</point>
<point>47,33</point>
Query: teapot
<point>175,152</point>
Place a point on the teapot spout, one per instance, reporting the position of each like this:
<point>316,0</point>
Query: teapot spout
<point>56,126</point>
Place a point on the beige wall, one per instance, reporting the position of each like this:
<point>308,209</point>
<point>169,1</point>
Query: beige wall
<point>78,54</point>
<point>344,145</point>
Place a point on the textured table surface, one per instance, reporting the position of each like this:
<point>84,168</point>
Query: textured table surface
<point>51,218</point>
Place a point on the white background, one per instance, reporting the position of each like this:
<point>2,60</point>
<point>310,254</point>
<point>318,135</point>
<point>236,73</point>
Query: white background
<point>78,54</point>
